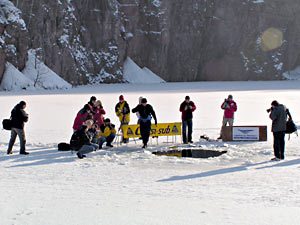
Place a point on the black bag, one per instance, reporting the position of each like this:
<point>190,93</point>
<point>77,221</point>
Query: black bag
<point>64,146</point>
<point>290,125</point>
<point>7,124</point>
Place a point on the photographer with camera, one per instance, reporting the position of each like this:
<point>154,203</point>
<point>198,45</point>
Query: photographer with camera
<point>81,141</point>
<point>229,106</point>
<point>18,118</point>
<point>278,115</point>
<point>187,108</point>
<point>107,133</point>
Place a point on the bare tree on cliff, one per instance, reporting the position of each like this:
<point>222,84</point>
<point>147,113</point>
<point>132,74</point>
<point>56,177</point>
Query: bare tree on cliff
<point>40,70</point>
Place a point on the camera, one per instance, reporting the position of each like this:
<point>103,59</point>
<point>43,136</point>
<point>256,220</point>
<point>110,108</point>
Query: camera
<point>269,110</point>
<point>111,126</point>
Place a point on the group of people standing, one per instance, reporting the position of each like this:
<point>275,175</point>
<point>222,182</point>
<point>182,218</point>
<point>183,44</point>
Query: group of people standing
<point>92,130</point>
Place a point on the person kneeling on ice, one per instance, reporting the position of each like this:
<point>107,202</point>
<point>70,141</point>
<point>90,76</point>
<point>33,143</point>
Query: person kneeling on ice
<point>107,134</point>
<point>146,111</point>
<point>81,142</point>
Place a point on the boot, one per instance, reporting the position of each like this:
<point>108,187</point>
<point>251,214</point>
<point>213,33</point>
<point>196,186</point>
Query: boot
<point>24,153</point>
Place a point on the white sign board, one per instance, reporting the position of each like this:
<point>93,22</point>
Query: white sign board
<point>245,133</point>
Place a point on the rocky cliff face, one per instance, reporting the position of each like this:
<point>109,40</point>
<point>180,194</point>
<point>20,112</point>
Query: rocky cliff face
<point>87,41</point>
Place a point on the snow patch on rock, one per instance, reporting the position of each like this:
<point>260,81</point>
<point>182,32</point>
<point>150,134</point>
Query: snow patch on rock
<point>134,74</point>
<point>14,80</point>
<point>292,75</point>
<point>36,75</point>
<point>41,75</point>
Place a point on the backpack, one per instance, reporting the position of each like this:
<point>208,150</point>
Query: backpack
<point>63,146</point>
<point>7,124</point>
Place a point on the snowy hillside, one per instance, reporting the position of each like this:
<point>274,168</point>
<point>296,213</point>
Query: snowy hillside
<point>129,185</point>
<point>292,75</point>
<point>36,75</point>
<point>135,75</point>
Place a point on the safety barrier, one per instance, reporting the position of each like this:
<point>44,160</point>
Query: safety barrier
<point>161,129</point>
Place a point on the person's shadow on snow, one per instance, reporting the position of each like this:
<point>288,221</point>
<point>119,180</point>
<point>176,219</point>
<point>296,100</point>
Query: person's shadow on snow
<point>232,170</point>
<point>40,156</point>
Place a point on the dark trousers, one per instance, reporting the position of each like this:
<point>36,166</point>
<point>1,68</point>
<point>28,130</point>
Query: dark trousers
<point>108,139</point>
<point>189,124</point>
<point>279,144</point>
<point>145,128</point>
<point>14,133</point>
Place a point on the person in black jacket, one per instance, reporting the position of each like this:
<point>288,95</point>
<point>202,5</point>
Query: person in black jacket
<point>146,113</point>
<point>187,108</point>
<point>92,102</point>
<point>81,141</point>
<point>18,118</point>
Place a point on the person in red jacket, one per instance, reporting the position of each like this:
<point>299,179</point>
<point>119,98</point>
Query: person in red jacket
<point>229,106</point>
<point>99,112</point>
<point>187,108</point>
<point>83,115</point>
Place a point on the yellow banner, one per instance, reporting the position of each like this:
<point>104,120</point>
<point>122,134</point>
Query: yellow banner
<point>161,129</point>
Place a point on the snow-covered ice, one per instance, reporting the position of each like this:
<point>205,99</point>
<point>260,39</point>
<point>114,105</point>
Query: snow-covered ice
<point>126,185</point>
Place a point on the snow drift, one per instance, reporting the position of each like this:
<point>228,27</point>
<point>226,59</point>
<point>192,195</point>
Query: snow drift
<point>14,80</point>
<point>36,75</point>
<point>292,75</point>
<point>134,74</point>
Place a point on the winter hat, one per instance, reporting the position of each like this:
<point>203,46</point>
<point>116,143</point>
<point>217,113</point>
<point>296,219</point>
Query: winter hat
<point>93,98</point>
<point>187,97</point>
<point>107,120</point>
<point>230,96</point>
<point>121,98</point>
<point>144,100</point>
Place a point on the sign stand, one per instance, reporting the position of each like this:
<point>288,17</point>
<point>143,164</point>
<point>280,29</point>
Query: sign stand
<point>244,133</point>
